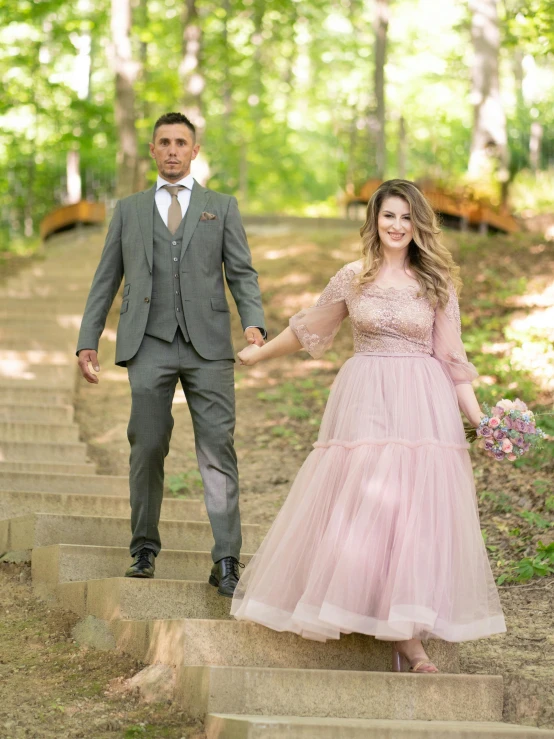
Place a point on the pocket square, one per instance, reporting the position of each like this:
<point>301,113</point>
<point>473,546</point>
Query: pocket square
<point>208,217</point>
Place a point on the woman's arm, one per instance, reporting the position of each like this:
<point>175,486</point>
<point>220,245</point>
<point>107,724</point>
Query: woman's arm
<point>285,343</point>
<point>468,403</point>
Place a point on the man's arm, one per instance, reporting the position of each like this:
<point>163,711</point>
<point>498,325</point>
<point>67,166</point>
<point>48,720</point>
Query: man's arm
<point>103,290</point>
<point>241,276</point>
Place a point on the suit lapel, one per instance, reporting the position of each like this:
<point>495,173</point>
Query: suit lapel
<point>198,200</point>
<point>145,209</point>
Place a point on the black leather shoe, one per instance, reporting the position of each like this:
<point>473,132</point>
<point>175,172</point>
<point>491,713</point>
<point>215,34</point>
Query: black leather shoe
<point>225,576</point>
<point>143,564</point>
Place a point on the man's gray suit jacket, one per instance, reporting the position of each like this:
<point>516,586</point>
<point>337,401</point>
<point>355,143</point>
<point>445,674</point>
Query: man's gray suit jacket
<point>207,246</point>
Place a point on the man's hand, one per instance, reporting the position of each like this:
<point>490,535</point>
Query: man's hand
<point>87,356</point>
<point>249,355</point>
<point>254,336</point>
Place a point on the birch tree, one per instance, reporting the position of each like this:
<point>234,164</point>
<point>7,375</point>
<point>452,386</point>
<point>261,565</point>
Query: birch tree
<point>489,143</point>
<point>125,69</point>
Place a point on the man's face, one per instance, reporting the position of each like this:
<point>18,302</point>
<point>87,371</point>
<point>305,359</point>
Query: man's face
<point>173,150</point>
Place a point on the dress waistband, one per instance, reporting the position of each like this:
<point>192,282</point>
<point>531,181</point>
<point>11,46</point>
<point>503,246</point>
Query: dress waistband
<point>420,355</point>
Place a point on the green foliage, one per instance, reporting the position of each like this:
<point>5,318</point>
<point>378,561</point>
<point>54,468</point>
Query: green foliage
<point>185,484</point>
<point>288,98</point>
<point>541,564</point>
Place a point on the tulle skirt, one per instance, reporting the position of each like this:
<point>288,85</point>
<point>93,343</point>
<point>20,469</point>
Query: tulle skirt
<point>380,532</point>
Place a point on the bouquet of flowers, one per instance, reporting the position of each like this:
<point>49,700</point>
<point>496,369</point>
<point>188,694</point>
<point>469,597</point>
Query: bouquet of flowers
<point>507,431</point>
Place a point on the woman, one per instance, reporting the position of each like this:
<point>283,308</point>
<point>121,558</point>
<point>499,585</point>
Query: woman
<point>380,532</point>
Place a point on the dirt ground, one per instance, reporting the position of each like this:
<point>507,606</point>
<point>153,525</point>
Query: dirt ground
<point>51,688</point>
<point>279,407</point>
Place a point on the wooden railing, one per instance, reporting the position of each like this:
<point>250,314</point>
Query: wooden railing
<point>467,211</point>
<point>61,219</point>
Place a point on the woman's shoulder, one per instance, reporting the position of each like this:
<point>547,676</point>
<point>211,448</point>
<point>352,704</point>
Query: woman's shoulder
<point>352,268</point>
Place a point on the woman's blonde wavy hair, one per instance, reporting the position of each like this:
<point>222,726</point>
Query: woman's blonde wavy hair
<point>428,258</point>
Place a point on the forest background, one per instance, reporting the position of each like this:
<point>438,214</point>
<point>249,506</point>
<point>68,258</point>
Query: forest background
<point>297,102</point>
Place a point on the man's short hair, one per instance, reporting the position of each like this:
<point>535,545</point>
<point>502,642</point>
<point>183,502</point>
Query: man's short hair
<point>168,119</point>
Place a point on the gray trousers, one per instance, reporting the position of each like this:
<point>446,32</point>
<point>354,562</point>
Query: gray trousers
<point>210,392</point>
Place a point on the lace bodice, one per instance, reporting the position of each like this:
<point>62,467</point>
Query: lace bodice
<point>388,320</point>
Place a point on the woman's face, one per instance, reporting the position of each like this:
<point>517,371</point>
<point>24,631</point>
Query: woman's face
<point>394,223</point>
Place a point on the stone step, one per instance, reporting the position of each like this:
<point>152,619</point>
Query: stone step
<point>221,726</point>
<point>21,393</point>
<point>136,598</point>
<point>27,431</point>
<point>37,413</point>
<point>77,562</point>
<point>37,341</point>
<point>241,644</point>
<point>45,529</point>
<point>25,357</point>
<point>48,374</point>
<point>48,468</point>
<point>60,482</point>
<point>18,503</point>
<point>29,328</point>
<point>201,690</point>
<point>18,451</point>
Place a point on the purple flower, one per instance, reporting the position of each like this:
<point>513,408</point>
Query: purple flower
<point>508,423</point>
<point>526,446</point>
<point>519,440</point>
<point>520,425</point>
<point>497,411</point>
<point>499,434</point>
<point>486,431</point>
<point>479,431</point>
<point>499,456</point>
<point>488,445</point>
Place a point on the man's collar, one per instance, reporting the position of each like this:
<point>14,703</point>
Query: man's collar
<point>187,181</point>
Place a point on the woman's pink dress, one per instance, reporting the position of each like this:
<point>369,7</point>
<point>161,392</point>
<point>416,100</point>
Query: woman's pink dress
<point>380,532</point>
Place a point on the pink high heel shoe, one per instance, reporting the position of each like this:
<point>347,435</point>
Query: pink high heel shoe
<point>400,663</point>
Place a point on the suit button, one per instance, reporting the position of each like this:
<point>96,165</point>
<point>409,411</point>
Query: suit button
<point>173,243</point>
<point>175,259</point>
<point>175,275</point>
<point>146,300</point>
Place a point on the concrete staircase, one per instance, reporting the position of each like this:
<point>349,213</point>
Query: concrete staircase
<point>246,681</point>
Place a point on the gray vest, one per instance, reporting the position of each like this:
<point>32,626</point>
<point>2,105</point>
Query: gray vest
<point>166,307</point>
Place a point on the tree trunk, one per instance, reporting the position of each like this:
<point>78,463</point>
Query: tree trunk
<point>402,148</point>
<point>190,69</point>
<point>73,177</point>
<point>144,160</point>
<point>380,26</point>
<point>227,96</point>
<point>535,141</point>
<point>194,83</point>
<point>489,146</point>
<point>125,70</point>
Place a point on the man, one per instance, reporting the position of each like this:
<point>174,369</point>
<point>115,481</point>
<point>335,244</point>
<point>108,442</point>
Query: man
<point>170,243</point>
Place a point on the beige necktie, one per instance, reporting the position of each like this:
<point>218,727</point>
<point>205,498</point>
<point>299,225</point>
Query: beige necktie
<point>174,214</point>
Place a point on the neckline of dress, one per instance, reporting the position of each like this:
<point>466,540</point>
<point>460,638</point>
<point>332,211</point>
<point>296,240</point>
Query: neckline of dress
<point>395,289</point>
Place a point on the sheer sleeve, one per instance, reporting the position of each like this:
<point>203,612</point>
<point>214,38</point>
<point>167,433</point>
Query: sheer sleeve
<point>316,327</point>
<point>447,342</point>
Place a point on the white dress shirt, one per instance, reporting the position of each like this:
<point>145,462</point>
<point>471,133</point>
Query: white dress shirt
<point>163,198</point>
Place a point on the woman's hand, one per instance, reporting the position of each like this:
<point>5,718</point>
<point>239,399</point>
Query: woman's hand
<point>249,355</point>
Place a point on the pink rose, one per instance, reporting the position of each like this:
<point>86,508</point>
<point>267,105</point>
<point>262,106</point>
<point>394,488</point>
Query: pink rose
<point>494,422</point>
<point>511,457</point>
<point>519,405</point>
<point>507,446</point>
